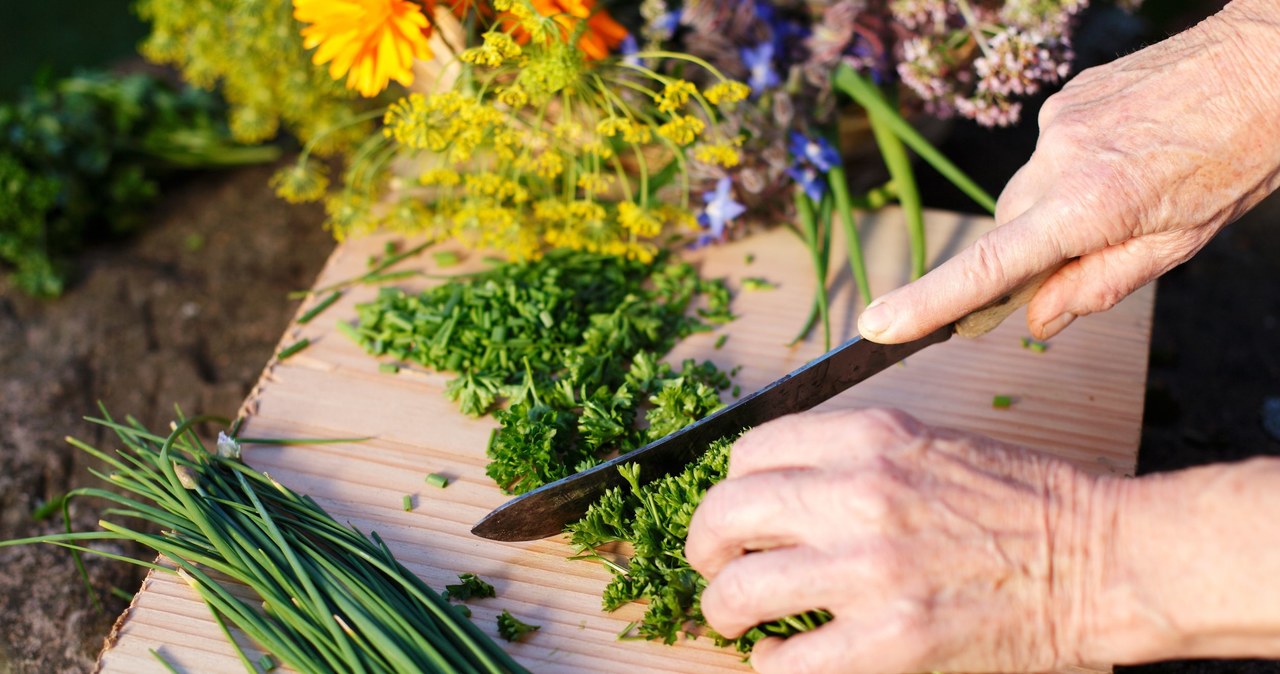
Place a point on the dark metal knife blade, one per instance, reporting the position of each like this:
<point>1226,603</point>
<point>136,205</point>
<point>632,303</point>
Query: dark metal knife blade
<point>544,511</point>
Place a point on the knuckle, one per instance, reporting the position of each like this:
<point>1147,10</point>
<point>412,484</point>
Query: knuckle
<point>985,264</point>
<point>730,597</point>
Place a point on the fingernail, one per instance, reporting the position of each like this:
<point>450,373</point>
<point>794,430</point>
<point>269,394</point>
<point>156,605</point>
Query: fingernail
<point>876,319</point>
<point>1056,325</point>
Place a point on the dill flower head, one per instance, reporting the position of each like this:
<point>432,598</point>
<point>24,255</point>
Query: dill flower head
<point>370,41</point>
<point>300,182</point>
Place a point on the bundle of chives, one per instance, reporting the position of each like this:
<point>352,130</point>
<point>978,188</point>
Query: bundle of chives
<point>332,599</point>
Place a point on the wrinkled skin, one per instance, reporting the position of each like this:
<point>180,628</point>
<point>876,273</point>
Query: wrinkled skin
<point>1139,163</point>
<point>933,549</point>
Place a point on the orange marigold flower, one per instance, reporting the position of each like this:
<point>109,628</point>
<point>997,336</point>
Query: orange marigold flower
<point>370,41</point>
<point>602,35</point>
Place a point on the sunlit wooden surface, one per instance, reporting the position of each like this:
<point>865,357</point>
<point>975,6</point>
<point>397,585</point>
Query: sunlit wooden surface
<point>1081,400</point>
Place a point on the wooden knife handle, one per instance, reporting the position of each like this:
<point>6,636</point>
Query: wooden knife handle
<point>986,319</point>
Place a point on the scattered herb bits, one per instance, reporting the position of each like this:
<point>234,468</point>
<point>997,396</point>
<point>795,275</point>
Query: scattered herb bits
<point>469,586</point>
<point>511,628</point>
<point>446,258</point>
<point>388,368</point>
<point>438,480</point>
<point>406,502</point>
<point>1035,345</point>
<point>1002,402</point>
<point>267,663</point>
<point>721,340</point>
<point>757,283</point>
<point>737,390</point>
<point>751,257</point>
<point>319,307</point>
<point>293,348</point>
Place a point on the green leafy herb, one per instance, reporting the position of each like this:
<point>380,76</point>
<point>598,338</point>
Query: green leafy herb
<point>82,158</point>
<point>470,587</point>
<point>654,519</point>
<point>571,343</point>
<point>510,627</point>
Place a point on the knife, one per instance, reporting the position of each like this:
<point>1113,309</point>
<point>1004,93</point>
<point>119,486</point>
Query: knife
<point>546,510</point>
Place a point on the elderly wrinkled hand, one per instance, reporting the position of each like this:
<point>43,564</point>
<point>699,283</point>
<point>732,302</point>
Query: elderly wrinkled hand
<point>934,550</point>
<point>1139,163</point>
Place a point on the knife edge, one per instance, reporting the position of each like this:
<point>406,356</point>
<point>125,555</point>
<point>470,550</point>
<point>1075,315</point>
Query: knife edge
<point>545,511</point>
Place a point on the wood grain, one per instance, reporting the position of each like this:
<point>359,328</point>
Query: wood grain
<point>1081,400</point>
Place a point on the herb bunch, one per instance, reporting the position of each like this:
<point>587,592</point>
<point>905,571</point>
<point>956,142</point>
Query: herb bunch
<point>654,520</point>
<point>330,599</point>
<point>81,157</point>
<point>571,342</point>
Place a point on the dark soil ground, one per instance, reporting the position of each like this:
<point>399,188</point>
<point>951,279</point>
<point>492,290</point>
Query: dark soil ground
<point>191,310</point>
<point>187,313</point>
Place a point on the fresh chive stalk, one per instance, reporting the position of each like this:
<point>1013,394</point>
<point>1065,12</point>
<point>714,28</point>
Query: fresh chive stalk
<point>329,598</point>
<point>438,480</point>
<point>319,307</point>
<point>293,348</point>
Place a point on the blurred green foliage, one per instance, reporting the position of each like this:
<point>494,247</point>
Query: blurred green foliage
<point>80,159</point>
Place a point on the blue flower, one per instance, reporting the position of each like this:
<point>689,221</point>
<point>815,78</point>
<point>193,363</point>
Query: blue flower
<point>720,209</point>
<point>759,62</point>
<point>808,178</point>
<point>667,22</point>
<point>817,151</point>
<point>629,48</point>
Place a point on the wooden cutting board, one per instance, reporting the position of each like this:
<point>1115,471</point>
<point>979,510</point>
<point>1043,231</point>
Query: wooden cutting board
<point>1081,400</point>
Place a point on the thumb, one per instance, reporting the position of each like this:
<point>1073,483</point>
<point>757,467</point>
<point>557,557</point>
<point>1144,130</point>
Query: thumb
<point>999,261</point>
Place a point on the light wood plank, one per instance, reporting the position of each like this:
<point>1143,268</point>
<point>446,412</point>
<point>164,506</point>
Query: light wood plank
<point>1081,400</point>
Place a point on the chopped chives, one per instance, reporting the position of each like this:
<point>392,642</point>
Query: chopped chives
<point>293,348</point>
<point>737,390</point>
<point>267,663</point>
<point>321,306</point>
<point>389,248</point>
<point>406,502</point>
<point>758,283</point>
<point>751,257</point>
<point>445,258</point>
<point>721,340</point>
<point>350,331</point>
<point>1035,345</point>
<point>389,368</point>
<point>438,480</point>
<point>1001,402</point>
